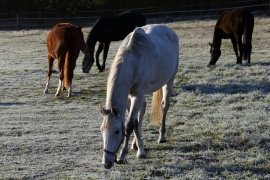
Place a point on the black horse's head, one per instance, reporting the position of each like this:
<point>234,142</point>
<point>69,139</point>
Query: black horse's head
<point>88,61</point>
<point>215,54</point>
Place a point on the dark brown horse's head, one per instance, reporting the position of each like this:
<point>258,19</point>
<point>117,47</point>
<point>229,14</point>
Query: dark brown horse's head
<point>215,54</point>
<point>88,60</point>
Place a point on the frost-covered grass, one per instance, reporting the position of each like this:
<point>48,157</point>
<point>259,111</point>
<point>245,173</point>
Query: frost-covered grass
<point>218,123</point>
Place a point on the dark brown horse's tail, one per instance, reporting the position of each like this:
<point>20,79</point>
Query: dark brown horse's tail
<point>68,69</point>
<point>247,38</point>
<point>156,107</point>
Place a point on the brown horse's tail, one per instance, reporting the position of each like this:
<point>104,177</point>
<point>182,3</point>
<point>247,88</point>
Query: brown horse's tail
<point>69,64</point>
<point>247,38</point>
<point>156,107</point>
<point>66,71</point>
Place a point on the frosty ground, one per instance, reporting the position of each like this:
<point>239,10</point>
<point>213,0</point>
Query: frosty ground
<point>218,123</point>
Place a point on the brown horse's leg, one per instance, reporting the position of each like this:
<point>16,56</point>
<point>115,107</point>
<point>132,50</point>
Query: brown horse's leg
<point>105,54</point>
<point>248,55</point>
<point>235,49</point>
<point>49,73</point>
<point>60,64</point>
<point>99,50</point>
<point>240,47</point>
<point>248,52</point>
<point>69,68</point>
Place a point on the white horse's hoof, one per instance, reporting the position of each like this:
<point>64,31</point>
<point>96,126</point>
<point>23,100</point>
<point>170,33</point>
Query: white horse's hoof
<point>141,156</point>
<point>134,147</point>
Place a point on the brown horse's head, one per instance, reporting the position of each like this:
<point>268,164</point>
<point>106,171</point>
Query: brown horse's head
<point>215,54</point>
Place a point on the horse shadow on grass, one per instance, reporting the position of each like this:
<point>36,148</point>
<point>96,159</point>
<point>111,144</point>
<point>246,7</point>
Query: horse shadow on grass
<point>267,64</point>
<point>11,103</point>
<point>230,88</point>
<point>191,156</point>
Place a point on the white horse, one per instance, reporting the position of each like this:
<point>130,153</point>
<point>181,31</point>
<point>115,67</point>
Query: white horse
<point>146,61</point>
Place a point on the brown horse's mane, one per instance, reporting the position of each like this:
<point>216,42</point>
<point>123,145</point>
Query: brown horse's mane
<point>65,24</point>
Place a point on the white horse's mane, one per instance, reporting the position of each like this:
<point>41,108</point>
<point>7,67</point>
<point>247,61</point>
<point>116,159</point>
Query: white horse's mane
<point>134,47</point>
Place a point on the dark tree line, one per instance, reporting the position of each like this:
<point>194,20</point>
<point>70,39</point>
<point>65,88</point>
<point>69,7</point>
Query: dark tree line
<point>68,6</point>
<point>72,6</point>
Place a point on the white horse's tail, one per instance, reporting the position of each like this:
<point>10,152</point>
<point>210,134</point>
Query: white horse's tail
<point>156,107</point>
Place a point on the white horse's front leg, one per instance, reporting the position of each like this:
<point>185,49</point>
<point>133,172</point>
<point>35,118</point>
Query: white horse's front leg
<point>124,151</point>
<point>59,88</point>
<point>136,102</point>
<point>137,143</point>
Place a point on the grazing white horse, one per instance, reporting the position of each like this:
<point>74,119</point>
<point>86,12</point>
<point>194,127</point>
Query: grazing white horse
<point>146,61</point>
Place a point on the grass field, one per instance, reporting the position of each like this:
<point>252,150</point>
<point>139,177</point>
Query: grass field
<point>218,124</point>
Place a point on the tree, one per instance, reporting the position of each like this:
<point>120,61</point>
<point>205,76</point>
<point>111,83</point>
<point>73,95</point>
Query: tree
<point>68,6</point>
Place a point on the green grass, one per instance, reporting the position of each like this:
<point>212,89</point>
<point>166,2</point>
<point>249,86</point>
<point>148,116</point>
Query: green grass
<point>217,126</point>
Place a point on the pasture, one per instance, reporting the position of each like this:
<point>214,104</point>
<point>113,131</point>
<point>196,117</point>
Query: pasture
<point>218,125</point>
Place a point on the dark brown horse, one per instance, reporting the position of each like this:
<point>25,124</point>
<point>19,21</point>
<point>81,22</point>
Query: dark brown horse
<point>107,29</point>
<point>233,24</point>
<point>64,43</point>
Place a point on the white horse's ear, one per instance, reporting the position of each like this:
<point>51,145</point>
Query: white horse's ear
<point>114,111</point>
<point>102,110</point>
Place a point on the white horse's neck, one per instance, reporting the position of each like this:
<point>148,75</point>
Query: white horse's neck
<point>119,84</point>
<point>125,70</point>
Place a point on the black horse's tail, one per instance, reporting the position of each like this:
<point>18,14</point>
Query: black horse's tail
<point>247,38</point>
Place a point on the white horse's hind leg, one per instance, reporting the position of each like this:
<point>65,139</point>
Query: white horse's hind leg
<point>167,91</point>
<point>59,88</point>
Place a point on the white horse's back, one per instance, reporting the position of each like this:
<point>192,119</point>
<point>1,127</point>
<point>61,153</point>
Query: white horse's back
<point>154,50</point>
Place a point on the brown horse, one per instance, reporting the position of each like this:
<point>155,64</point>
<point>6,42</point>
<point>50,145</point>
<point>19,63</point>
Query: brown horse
<point>233,24</point>
<point>64,43</point>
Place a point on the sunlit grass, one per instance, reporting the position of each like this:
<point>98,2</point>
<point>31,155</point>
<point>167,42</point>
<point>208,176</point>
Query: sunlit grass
<point>217,126</point>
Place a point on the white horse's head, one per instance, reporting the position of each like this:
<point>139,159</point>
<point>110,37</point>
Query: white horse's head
<point>113,132</point>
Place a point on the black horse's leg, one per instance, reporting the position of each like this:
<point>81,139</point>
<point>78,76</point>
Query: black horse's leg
<point>236,51</point>
<point>249,53</point>
<point>99,50</point>
<point>240,47</point>
<point>105,54</point>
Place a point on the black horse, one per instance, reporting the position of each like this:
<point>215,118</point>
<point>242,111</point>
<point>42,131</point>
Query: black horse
<point>233,24</point>
<point>107,29</point>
